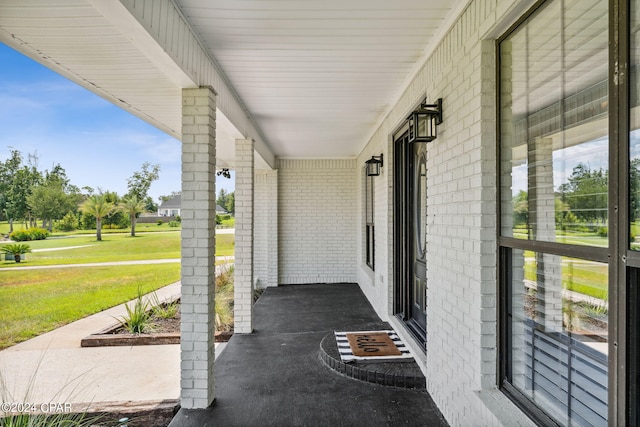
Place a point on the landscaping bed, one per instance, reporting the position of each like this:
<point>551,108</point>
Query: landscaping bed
<point>161,331</point>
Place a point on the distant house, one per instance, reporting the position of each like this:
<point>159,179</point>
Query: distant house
<point>173,206</point>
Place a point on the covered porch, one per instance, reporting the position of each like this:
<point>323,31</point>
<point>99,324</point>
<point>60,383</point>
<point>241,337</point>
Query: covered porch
<point>297,97</point>
<point>276,376</point>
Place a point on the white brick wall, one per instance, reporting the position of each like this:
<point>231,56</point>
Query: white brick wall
<point>460,362</point>
<point>317,221</point>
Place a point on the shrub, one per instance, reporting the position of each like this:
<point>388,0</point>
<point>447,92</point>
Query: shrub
<point>124,222</point>
<point>159,222</point>
<point>38,233</point>
<point>178,218</point>
<point>19,236</point>
<point>603,231</point>
<point>68,223</point>
<point>87,221</point>
<point>174,224</point>
<point>29,234</point>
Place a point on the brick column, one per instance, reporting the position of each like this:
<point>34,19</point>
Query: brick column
<point>243,281</point>
<point>272,182</point>
<point>542,220</point>
<point>197,343</point>
<point>265,228</point>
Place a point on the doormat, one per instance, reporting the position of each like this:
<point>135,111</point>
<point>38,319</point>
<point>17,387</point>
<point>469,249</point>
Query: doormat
<point>371,345</point>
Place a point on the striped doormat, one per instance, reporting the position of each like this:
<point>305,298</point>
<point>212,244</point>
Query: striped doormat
<point>370,346</point>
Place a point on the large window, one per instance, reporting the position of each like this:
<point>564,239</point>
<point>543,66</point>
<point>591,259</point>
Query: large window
<point>554,220</point>
<point>631,268</point>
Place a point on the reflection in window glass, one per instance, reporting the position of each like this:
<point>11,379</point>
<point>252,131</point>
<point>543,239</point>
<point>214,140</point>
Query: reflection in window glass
<point>634,137</point>
<point>559,309</point>
<point>554,189</point>
<point>554,126</point>
<point>634,187</point>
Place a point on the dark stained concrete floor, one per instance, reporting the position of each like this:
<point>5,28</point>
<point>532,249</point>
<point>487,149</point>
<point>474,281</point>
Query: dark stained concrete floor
<point>274,377</point>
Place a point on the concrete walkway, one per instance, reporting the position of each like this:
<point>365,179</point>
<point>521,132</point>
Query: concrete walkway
<point>54,368</point>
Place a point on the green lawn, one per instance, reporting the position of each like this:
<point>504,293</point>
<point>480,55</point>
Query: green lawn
<point>36,301</point>
<point>585,277</point>
<point>113,247</point>
<point>571,237</point>
<point>588,278</point>
<point>229,223</point>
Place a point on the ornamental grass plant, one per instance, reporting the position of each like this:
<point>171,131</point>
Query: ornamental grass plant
<point>224,298</point>
<point>138,318</point>
<point>25,411</point>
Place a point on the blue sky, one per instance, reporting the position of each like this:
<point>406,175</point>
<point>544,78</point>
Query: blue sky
<point>99,145</point>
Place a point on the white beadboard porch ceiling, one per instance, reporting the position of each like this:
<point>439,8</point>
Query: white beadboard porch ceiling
<point>316,77</point>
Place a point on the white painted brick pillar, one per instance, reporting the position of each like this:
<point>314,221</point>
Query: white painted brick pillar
<point>265,228</point>
<point>243,280</point>
<point>272,253</point>
<point>542,222</point>
<point>197,327</point>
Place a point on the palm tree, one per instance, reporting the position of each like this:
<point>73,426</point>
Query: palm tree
<point>16,250</point>
<point>99,207</point>
<point>131,205</point>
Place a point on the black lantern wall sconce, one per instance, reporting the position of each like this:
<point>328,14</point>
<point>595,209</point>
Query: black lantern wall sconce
<point>224,172</point>
<point>373,165</point>
<point>423,122</point>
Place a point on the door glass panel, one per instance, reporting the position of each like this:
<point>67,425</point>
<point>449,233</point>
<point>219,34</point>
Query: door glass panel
<point>421,205</point>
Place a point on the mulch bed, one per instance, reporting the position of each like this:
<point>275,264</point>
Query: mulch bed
<point>161,332</point>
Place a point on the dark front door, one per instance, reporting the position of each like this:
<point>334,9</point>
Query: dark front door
<point>410,237</point>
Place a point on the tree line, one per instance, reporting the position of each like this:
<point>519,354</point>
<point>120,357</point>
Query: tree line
<point>28,194</point>
<point>582,202</point>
